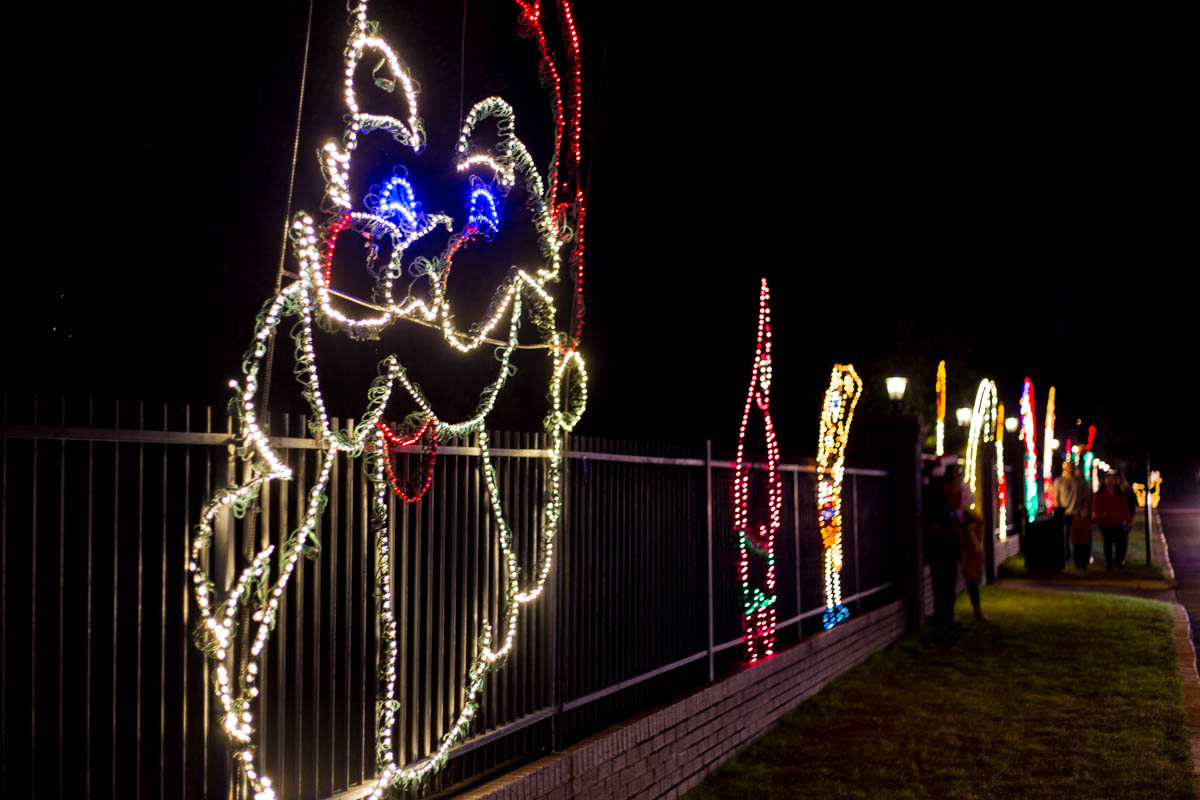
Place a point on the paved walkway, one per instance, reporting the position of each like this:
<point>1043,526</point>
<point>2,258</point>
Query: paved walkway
<point>1182,531</point>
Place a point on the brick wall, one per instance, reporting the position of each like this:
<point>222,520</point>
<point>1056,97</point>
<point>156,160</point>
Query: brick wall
<point>1008,548</point>
<point>665,752</point>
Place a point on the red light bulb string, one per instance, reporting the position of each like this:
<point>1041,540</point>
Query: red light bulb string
<point>567,115</point>
<point>337,227</point>
<point>758,603</point>
<point>428,458</point>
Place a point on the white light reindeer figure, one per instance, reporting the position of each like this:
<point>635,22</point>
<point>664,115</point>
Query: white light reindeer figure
<point>390,214</point>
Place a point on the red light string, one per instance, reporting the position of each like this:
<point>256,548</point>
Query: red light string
<point>428,459</point>
<point>339,225</point>
<point>567,115</point>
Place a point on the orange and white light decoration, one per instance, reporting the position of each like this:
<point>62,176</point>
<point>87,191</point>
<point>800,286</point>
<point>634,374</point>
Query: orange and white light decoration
<point>845,387</point>
<point>940,387</point>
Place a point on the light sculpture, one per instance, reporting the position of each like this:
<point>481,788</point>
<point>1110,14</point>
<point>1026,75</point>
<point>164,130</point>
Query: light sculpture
<point>1152,496</point>
<point>1001,479</point>
<point>391,214</point>
<point>987,425</point>
<point>983,428</point>
<point>845,388</point>
<point>939,386</point>
<point>758,602</point>
<point>1027,436</point>
<point>1048,453</point>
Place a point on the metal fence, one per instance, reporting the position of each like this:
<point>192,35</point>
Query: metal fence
<point>104,694</point>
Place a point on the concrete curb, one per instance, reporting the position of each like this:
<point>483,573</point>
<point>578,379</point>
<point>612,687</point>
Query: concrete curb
<point>1185,660</point>
<point>1168,570</point>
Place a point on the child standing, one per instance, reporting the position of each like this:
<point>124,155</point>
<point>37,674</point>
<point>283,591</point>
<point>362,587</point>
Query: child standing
<point>1081,538</point>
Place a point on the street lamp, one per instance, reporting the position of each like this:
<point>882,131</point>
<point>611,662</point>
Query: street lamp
<point>895,388</point>
<point>963,415</point>
<point>1010,424</point>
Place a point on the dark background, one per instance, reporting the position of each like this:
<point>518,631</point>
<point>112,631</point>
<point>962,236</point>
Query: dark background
<point>1007,193</point>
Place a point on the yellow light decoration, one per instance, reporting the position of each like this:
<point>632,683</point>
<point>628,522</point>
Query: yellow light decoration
<point>940,388</point>
<point>841,397</point>
<point>1139,489</point>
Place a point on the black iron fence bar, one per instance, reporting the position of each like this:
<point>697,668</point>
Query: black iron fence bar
<point>806,615</point>
<point>298,443</point>
<point>579,702</point>
<point>345,504</point>
<point>708,514</point>
<point>354,793</point>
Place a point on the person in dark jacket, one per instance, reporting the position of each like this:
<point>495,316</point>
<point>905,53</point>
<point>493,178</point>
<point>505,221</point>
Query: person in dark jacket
<point>943,536</point>
<point>1112,512</point>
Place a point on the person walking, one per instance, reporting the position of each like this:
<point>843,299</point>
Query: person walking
<point>1112,512</point>
<point>1081,540</point>
<point>1066,491</point>
<point>971,538</point>
<point>943,538</point>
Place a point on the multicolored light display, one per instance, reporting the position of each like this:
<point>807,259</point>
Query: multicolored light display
<point>391,214</point>
<point>1027,436</point>
<point>758,602</point>
<point>1001,479</point>
<point>1048,453</point>
<point>940,387</point>
<point>845,387</point>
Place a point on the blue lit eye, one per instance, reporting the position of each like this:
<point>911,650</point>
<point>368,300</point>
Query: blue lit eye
<point>482,217</point>
<point>397,200</point>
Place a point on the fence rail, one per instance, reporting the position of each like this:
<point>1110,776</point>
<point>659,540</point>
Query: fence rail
<point>105,695</point>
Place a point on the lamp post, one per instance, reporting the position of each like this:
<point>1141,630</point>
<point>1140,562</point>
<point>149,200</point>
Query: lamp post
<point>895,390</point>
<point>962,416</point>
<point>1010,424</point>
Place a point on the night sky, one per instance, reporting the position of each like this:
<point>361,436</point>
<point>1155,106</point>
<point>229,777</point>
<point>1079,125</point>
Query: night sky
<point>1007,194</point>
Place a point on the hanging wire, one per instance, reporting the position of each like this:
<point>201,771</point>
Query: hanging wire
<point>462,65</point>
<point>288,206</point>
<point>252,517</point>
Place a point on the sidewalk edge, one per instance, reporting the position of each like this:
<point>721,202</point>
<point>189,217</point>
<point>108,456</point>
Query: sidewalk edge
<point>1185,660</point>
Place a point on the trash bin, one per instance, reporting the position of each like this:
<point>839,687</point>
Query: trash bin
<point>1044,545</point>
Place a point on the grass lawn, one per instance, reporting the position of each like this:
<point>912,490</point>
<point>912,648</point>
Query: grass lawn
<point>1060,695</point>
<point>1135,560</point>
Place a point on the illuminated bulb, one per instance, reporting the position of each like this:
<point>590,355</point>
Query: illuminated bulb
<point>896,387</point>
<point>962,416</point>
